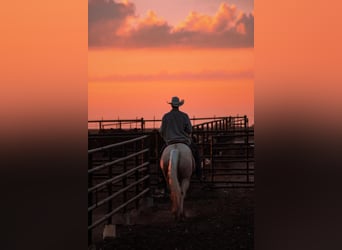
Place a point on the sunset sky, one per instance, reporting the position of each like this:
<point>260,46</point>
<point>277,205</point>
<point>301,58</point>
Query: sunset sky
<point>141,53</point>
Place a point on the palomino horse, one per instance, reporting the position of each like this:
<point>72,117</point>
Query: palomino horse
<point>177,164</point>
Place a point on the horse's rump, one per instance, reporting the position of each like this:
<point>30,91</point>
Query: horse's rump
<point>185,160</point>
<point>177,164</point>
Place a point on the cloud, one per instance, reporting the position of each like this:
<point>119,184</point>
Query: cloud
<point>223,20</point>
<point>100,10</point>
<point>105,17</point>
<point>151,31</point>
<point>116,24</point>
<point>181,76</point>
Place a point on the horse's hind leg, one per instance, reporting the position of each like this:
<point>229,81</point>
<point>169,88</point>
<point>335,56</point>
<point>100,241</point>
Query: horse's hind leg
<point>184,187</point>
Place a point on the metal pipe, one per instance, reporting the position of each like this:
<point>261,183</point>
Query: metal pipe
<point>101,202</point>
<point>116,144</point>
<point>117,209</point>
<point>117,178</point>
<point>116,161</point>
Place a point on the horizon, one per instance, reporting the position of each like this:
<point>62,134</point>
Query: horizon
<point>138,59</point>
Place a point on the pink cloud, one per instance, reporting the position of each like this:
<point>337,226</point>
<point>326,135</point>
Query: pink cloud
<point>116,24</point>
<point>223,20</point>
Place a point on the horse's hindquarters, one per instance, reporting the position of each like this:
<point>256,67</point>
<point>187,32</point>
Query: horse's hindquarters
<point>177,164</point>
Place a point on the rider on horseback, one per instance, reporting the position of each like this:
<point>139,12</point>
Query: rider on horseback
<point>176,127</point>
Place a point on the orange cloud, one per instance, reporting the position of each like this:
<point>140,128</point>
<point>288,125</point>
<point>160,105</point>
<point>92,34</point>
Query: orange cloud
<point>133,23</point>
<point>152,19</point>
<point>195,22</point>
<point>240,28</point>
<point>225,17</point>
<point>223,20</point>
<point>115,24</point>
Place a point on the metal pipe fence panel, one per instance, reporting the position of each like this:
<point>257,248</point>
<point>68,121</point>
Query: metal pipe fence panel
<point>118,177</point>
<point>222,142</point>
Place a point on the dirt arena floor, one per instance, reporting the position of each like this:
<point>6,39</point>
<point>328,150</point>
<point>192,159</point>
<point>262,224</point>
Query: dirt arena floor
<point>216,219</point>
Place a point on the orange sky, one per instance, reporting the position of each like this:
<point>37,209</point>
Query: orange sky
<point>137,63</point>
<point>138,83</point>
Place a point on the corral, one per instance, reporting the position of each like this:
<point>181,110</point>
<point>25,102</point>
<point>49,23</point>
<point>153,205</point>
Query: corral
<point>125,189</point>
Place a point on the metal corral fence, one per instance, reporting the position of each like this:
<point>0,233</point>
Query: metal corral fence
<point>124,164</point>
<point>227,150</point>
<point>226,145</point>
<point>223,124</point>
<point>228,157</point>
<point>118,177</point>
<point>112,125</point>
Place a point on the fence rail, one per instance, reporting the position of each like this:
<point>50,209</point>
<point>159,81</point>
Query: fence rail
<point>124,168</point>
<point>124,165</point>
<point>142,124</point>
<point>224,142</point>
<point>231,159</point>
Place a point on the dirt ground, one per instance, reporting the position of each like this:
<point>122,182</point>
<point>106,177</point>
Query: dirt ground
<point>216,219</point>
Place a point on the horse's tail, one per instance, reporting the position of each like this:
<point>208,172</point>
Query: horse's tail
<point>173,177</point>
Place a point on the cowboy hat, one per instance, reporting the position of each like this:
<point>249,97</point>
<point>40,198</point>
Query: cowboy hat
<point>175,102</point>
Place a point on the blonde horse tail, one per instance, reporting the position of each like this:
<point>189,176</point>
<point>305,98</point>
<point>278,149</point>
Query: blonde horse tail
<point>173,179</point>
